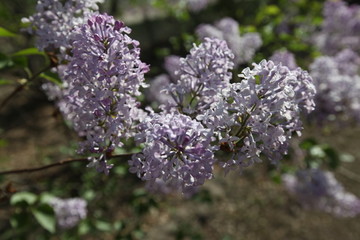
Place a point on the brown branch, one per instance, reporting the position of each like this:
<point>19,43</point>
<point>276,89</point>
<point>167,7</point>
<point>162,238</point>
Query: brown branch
<point>60,163</point>
<point>22,86</point>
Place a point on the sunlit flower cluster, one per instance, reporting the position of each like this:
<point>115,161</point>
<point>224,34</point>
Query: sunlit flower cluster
<point>243,47</point>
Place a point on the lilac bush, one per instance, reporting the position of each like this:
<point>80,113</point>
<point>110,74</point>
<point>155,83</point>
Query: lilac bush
<point>340,29</point>
<point>338,83</point>
<point>205,109</point>
<point>317,189</point>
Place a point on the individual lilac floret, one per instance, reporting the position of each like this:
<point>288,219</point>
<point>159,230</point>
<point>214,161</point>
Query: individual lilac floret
<point>338,84</point>
<point>176,149</point>
<point>104,77</point>
<point>284,57</point>
<point>69,211</point>
<point>317,189</point>
<point>256,117</point>
<point>203,72</point>
<point>340,29</point>
<point>54,20</point>
<point>227,29</point>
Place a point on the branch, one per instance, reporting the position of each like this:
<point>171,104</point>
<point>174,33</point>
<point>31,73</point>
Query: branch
<point>60,163</point>
<point>22,86</point>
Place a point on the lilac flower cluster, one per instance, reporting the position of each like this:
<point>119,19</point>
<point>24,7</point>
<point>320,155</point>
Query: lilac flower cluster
<point>257,116</point>
<point>104,77</point>
<point>317,189</point>
<point>340,29</point>
<point>54,20</point>
<point>337,80</point>
<point>227,29</point>
<point>69,211</point>
<point>284,57</point>
<point>252,119</point>
<point>176,150</point>
<point>202,73</point>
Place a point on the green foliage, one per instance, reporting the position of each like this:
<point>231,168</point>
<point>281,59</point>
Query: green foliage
<point>6,33</point>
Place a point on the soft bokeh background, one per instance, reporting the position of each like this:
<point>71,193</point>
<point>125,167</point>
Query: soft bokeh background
<point>253,205</point>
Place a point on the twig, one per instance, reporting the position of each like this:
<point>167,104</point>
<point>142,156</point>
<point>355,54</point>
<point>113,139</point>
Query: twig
<point>22,86</point>
<point>60,163</point>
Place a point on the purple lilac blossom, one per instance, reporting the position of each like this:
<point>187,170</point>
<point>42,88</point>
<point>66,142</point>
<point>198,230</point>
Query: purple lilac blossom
<point>160,187</point>
<point>340,29</point>
<point>284,57</point>
<point>204,72</point>
<point>317,189</point>
<point>171,65</point>
<point>54,20</point>
<point>156,91</point>
<point>338,85</point>
<point>197,5</point>
<point>69,211</point>
<point>257,116</point>
<point>176,150</point>
<point>104,78</point>
<point>227,29</point>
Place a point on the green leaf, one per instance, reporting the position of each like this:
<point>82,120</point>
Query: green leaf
<point>5,61</point>
<point>29,51</point>
<point>103,226</point>
<point>83,228</point>
<point>345,157</point>
<point>4,82</point>
<point>307,144</point>
<point>333,157</point>
<point>19,220</point>
<point>272,10</point>
<point>45,216</point>
<point>3,143</point>
<point>6,33</point>
<point>28,197</point>
<point>51,79</point>
<point>46,197</point>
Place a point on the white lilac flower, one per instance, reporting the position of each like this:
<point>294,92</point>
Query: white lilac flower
<point>256,117</point>
<point>317,189</point>
<point>227,29</point>
<point>284,57</point>
<point>54,20</point>
<point>340,29</point>
<point>176,149</point>
<point>69,211</point>
<point>104,78</point>
<point>337,81</point>
<point>203,72</point>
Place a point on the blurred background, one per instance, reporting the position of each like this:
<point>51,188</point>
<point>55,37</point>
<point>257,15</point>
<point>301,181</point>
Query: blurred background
<point>252,205</point>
